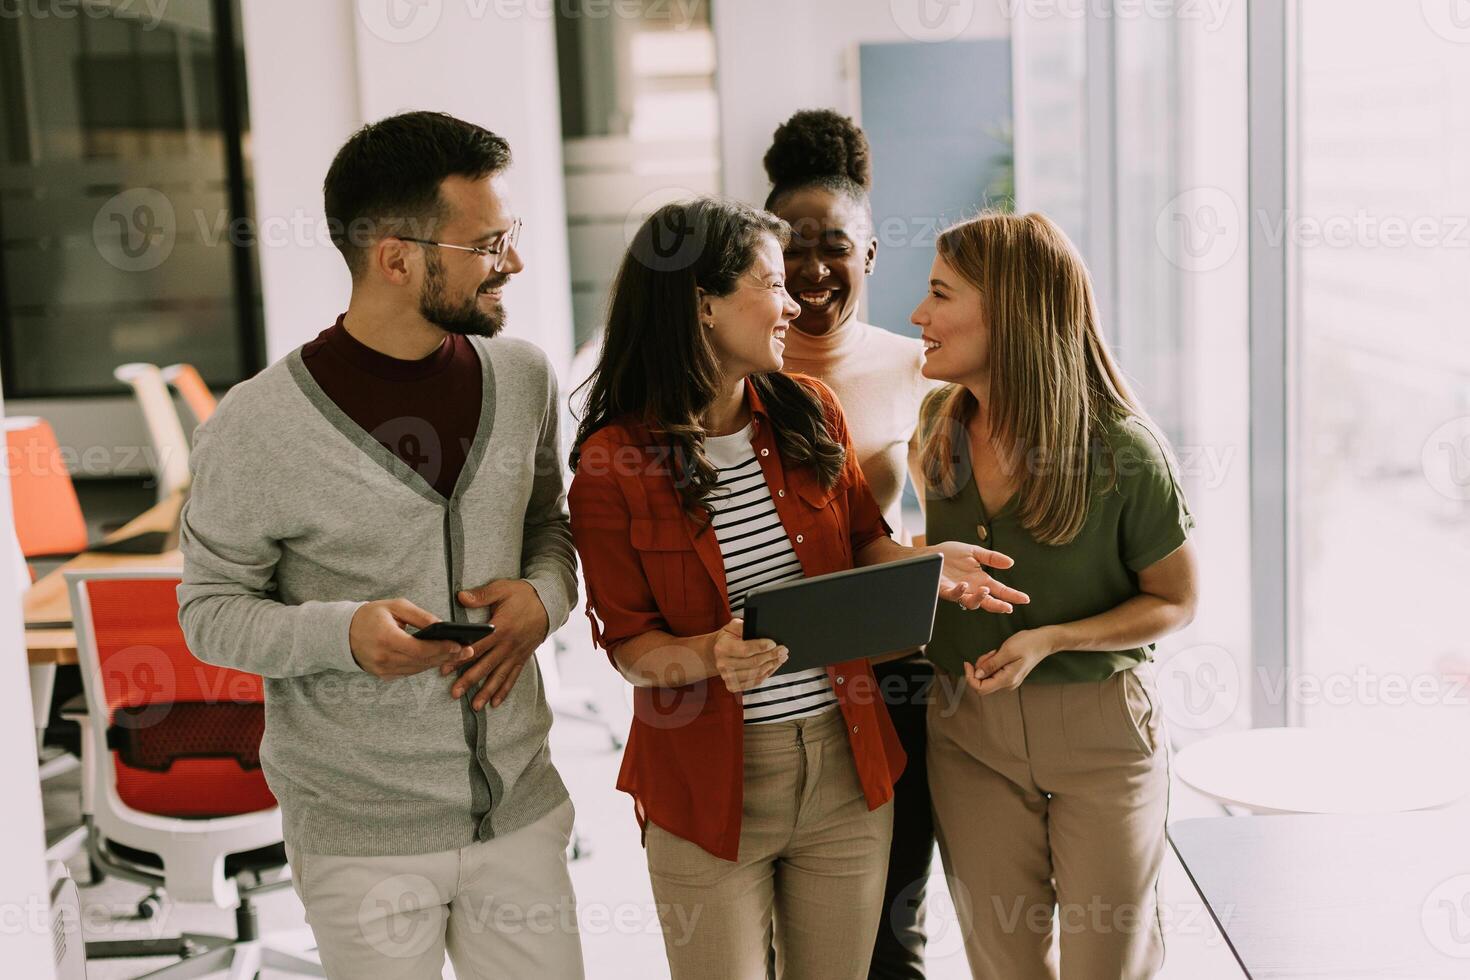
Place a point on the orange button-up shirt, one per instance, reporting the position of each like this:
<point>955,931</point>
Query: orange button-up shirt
<point>648,567</point>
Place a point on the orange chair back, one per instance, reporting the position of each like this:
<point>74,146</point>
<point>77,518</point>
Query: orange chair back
<point>48,518</point>
<point>191,387</point>
<point>199,720</point>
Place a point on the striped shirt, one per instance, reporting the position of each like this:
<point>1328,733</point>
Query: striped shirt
<point>757,551</point>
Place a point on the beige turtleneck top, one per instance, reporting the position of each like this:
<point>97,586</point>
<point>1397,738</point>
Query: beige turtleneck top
<point>876,375</point>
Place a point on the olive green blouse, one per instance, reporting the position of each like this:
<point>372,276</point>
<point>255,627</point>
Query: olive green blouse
<point>1137,516</point>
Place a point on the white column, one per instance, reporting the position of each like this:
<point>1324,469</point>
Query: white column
<point>301,74</point>
<point>25,934</point>
<point>491,62</point>
<point>318,71</point>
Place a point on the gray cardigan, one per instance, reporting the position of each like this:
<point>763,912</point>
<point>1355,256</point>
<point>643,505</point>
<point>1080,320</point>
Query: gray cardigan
<point>297,517</point>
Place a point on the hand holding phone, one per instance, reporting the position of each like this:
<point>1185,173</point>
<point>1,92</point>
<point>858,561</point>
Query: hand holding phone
<point>463,633</point>
<point>379,644</point>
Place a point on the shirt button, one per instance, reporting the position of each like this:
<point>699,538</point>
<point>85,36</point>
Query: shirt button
<point>780,493</point>
<point>765,452</point>
<point>983,531</point>
<point>799,539</point>
<point>854,729</point>
<point>841,679</point>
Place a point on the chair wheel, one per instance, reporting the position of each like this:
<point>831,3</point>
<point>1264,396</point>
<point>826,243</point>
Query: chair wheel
<point>150,907</point>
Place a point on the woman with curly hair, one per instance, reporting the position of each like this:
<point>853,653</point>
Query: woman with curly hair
<point>702,472</point>
<point>820,171</point>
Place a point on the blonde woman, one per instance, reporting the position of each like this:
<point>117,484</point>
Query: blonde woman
<point>1047,763</point>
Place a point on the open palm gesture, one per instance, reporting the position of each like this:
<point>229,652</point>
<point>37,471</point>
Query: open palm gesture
<point>964,578</point>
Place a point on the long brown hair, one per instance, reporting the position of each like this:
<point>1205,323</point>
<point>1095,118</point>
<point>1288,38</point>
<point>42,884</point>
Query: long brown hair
<point>658,366</point>
<point>1054,387</point>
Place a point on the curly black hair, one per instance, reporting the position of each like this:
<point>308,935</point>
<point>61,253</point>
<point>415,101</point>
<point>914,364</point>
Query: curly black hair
<point>819,148</point>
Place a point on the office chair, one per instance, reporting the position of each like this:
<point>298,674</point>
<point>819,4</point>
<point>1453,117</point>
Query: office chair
<point>48,524</point>
<point>170,445</point>
<point>185,380</point>
<point>172,792</point>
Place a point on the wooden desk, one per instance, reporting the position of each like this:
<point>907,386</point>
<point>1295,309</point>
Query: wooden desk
<point>46,601</point>
<point>1340,896</point>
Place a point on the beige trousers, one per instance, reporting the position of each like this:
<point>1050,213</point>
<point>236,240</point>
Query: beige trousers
<point>501,908</point>
<point>810,875</point>
<point>1050,800</point>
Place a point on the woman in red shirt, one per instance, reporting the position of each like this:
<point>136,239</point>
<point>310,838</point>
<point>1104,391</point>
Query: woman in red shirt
<point>701,473</point>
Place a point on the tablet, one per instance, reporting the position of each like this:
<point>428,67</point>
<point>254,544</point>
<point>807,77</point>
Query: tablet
<point>848,615</point>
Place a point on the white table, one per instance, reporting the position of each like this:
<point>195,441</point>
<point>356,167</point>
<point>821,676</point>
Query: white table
<point>1324,770</point>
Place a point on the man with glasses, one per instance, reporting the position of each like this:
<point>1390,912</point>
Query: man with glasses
<point>399,470</point>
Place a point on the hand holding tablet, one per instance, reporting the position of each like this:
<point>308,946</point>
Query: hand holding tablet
<point>848,615</point>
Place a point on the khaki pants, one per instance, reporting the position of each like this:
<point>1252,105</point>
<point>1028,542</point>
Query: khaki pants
<point>501,908</point>
<point>809,879</point>
<point>1053,797</point>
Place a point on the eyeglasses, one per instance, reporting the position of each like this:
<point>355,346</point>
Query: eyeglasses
<point>497,249</point>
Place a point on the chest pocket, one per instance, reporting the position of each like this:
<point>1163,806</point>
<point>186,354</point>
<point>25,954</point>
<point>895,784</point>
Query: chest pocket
<point>675,574</point>
<point>822,517</point>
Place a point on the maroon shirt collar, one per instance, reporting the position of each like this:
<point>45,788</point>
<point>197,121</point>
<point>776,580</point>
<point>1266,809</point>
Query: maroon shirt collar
<point>381,365</point>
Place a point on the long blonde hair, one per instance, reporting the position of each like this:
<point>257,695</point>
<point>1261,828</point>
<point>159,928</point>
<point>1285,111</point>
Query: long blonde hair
<point>1053,384</point>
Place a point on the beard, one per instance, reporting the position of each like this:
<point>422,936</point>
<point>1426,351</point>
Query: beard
<point>465,317</point>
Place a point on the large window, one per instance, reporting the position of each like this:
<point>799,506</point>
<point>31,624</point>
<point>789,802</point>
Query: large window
<point>1380,239</point>
<point>124,195</point>
<point>1131,132</point>
<point>640,128</point>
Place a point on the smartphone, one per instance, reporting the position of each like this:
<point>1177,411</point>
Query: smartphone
<point>463,633</point>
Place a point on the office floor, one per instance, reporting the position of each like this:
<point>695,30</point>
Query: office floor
<point>620,935</point>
